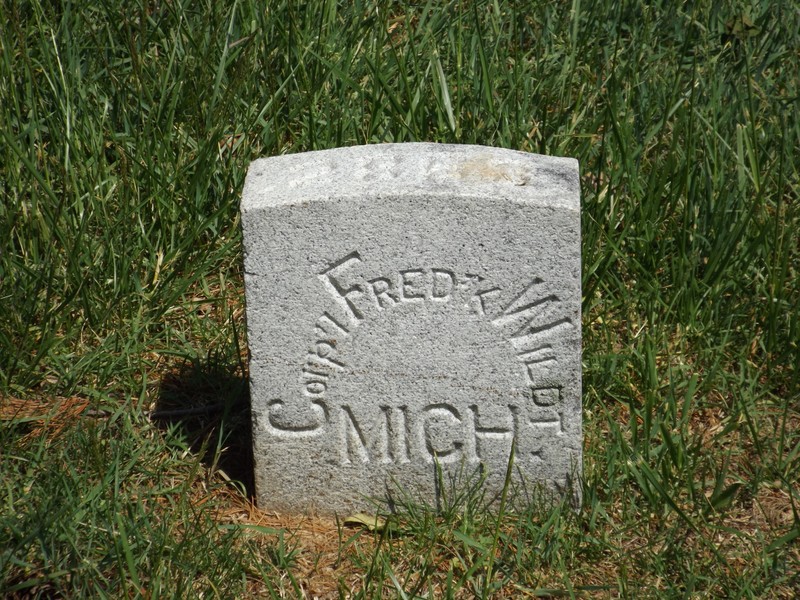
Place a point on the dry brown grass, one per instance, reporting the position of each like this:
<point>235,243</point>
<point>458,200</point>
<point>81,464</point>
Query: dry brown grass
<point>43,418</point>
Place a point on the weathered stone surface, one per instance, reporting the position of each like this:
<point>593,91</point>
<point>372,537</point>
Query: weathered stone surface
<point>409,304</point>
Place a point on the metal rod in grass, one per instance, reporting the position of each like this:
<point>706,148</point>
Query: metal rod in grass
<point>187,412</point>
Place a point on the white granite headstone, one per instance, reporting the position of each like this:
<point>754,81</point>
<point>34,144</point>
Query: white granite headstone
<point>408,306</point>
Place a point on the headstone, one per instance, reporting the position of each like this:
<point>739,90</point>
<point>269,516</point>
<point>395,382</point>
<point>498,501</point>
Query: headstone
<point>411,309</point>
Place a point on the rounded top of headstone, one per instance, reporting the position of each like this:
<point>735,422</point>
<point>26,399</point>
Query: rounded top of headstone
<point>396,170</point>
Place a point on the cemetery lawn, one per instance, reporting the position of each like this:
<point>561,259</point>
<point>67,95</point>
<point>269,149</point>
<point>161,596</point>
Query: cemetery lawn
<point>125,133</point>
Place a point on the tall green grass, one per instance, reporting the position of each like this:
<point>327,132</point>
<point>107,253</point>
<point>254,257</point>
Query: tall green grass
<point>125,132</point>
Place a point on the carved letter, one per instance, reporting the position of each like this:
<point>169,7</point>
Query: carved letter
<point>442,286</point>
<point>356,446</point>
<point>480,306</point>
<point>400,437</point>
<point>411,285</point>
<point>557,421</point>
<point>277,423</point>
<point>546,396</point>
<point>341,293</point>
<point>383,290</point>
<point>535,362</point>
<point>517,312</point>
<point>323,360</point>
<point>537,355</point>
<point>316,387</point>
<point>500,433</point>
<point>438,422</point>
<point>332,324</point>
<point>508,312</point>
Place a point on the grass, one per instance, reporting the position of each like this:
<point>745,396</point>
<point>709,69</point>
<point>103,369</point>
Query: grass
<point>125,133</point>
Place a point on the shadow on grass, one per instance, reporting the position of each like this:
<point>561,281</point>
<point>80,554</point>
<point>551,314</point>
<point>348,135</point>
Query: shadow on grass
<point>208,400</point>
